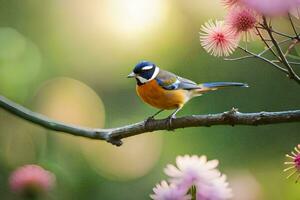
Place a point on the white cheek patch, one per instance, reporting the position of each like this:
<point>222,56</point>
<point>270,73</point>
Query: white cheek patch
<point>147,67</point>
<point>141,79</point>
<point>144,80</point>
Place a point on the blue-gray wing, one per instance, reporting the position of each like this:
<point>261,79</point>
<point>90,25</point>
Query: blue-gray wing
<point>170,81</point>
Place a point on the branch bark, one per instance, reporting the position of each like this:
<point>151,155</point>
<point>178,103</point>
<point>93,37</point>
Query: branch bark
<point>114,135</point>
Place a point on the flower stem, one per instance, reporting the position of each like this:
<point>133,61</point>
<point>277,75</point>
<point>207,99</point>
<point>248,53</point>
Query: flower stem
<point>193,191</point>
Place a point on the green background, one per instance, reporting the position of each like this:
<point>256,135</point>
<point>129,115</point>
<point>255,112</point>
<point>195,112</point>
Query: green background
<point>63,58</point>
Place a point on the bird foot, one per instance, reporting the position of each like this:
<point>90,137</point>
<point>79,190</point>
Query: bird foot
<point>148,120</point>
<point>169,122</point>
<point>151,118</point>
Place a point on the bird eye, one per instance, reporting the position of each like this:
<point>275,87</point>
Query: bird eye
<point>147,67</point>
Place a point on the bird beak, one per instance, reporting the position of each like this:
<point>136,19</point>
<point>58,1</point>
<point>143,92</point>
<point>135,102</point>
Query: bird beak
<point>131,75</point>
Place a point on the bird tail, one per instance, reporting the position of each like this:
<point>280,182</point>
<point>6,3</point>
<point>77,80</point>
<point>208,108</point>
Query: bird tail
<point>223,84</point>
<point>207,87</point>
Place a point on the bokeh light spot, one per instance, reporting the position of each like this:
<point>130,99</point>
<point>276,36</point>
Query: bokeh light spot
<point>13,43</point>
<point>70,101</point>
<point>19,142</point>
<point>20,62</point>
<point>19,149</point>
<point>135,158</point>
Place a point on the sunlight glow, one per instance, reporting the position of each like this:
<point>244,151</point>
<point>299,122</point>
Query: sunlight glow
<point>136,16</point>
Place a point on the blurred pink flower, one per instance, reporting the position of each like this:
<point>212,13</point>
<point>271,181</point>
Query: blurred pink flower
<point>217,190</point>
<point>294,164</point>
<point>192,170</point>
<point>193,176</point>
<point>218,39</point>
<point>164,191</point>
<point>31,178</point>
<point>271,7</point>
<point>242,20</point>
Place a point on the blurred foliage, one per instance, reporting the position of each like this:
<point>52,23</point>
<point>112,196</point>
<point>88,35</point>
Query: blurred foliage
<point>69,59</point>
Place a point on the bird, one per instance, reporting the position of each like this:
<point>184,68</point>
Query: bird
<point>167,91</point>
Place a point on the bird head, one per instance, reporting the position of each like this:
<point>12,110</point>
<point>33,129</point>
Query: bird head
<point>144,72</point>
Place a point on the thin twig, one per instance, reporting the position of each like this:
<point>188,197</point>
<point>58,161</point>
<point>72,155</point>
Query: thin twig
<point>238,58</point>
<point>291,46</point>
<point>276,32</point>
<point>114,135</point>
<point>292,73</point>
<point>291,62</point>
<point>264,59</point>
<point>252,54</point>
<point>294,63</point>
<point>266,43</point>
<point>292,24</point>
<point>282,34</point>
<point>267,49</point>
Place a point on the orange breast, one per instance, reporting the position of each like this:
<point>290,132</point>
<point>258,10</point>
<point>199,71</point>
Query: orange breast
<point>158,97</point>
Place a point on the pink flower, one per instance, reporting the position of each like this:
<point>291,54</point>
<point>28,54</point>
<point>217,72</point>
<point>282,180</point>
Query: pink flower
<point>271,7</point>
<point>31,179</point>
<point>196,176</point>
<point>294,164</point>
<point>217,190</point>
<point>164,191</point>
<point>242,20</point>
<point>192,170</point>
<point>218,39</point>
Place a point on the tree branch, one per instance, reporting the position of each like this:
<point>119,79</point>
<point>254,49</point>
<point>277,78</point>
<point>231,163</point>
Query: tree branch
<point>114,135</point>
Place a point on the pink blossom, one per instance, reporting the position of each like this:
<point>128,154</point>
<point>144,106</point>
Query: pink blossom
<point>164,191</point>
<point>242,20</point>
<point>271,7</point>
<point>195,175</point>
<point>192,170</point>
<point>218,39</point>
<point>217,190</point>
<point>294,164</point>
<point>31,178</point>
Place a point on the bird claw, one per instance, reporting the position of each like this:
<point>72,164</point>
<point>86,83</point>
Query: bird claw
<point>151,118</point>
<point>148,120</point>
<point>170,118</point>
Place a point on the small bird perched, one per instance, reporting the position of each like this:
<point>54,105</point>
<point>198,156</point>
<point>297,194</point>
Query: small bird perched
<point>167,91</point>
